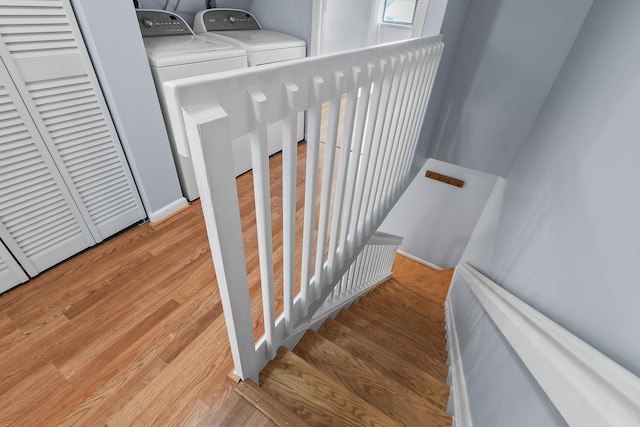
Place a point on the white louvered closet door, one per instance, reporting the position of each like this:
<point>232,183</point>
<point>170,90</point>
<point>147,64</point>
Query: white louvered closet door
<point>39,221</point>
<point>10,272</point>
<point>45,54</point>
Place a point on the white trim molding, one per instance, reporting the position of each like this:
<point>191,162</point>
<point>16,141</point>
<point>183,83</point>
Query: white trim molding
<point>458,406</point>
<point>168,210</point>
<point>587,387</point>
<point>421,261</point>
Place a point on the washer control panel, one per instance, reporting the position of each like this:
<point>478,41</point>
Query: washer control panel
<point>155,23</point>
<point>229,19</point>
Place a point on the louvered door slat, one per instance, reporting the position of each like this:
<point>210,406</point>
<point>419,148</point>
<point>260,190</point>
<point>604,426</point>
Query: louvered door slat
<point>69,110</point>
<point>39,221</point>
<point>62,123</point>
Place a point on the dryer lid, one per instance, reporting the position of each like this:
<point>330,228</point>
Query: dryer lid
<point>257,40</point>
<point>187,49</point>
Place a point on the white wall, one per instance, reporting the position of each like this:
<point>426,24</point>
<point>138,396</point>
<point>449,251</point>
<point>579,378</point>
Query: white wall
<point>393,32</point>
<point>437,219</point>
<point>507,58</point>
<point>291,17</point>
<point>566,240</point>
<point>113,39</point>
<point>348,24</point>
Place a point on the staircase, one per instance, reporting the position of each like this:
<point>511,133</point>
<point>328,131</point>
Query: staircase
<point>381,362</point>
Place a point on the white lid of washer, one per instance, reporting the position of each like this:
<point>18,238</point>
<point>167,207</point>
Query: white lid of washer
<point>256,40</point>
<point>166,51</point>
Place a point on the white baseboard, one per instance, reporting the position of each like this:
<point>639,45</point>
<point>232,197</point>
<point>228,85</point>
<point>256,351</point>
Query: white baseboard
<point>421,261</point>
<point>168,210</point>
<point>458,406</point>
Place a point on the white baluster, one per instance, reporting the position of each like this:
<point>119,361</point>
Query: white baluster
<point>262,193</point>
<point>341,183</point>
<point>365,179</point>
<point>313,147</point>
<point>378,143</point>
<point>289,170</point>
<point>327,171</point>
<point>394,137</point>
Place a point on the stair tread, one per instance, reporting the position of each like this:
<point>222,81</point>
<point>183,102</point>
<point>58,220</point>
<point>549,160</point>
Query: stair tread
<point>267,405</point>
<point>427,340</point>
<point>415,291</point>
<point>369,383</point>
<point>426,285</point>
<point>414,378</point>
<point>411,308</point>
<point>315,398</point>
<point>408,312</point>
<point>394,343</point>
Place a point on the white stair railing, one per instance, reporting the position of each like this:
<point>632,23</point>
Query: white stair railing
<point>384,91</point>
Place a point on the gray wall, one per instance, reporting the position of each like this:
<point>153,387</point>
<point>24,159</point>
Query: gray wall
<point>507,58</point>
<point>566,236</point>
<point>113,38</point>
<point>452,25</point>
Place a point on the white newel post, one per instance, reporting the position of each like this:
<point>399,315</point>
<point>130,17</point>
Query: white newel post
<point>217,184</point>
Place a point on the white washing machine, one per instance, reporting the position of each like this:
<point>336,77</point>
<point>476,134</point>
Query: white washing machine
<point>241,29</point>
<point>175,52</point>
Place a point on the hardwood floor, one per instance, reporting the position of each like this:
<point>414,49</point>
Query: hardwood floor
<point>131,332</point>
<point>380,362</point>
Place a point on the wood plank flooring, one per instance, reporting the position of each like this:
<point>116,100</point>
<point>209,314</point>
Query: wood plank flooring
<point>372,365</point>
<point>131,331</point>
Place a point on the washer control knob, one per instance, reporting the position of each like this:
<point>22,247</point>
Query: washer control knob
<point>147,22</point>
<point>232,19</point>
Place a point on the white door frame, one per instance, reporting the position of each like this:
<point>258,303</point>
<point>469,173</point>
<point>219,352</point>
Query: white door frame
<point>317,24</point>
<point>419,18</point>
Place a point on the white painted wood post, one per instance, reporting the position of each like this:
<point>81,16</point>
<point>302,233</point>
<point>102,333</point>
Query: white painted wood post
<point>219,198</point>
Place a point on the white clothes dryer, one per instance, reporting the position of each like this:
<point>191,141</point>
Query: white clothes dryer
<point>175,52</point>
<point>240,28</point>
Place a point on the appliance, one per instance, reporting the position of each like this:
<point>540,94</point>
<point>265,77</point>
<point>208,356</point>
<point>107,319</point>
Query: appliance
<point>175,52</point>
<point>240,28</point>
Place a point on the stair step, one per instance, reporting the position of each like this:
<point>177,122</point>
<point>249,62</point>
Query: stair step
<point>394,343</point>
<point>427,340</point>
<point>426,285</point>
<point>315,398</point>
<point>433,314</point>
<point>417,314</point>
<point>412,293</point>
<point>408,296</point>
<point>268,405</point>
<point>370,384</point>
<point>417,380</point>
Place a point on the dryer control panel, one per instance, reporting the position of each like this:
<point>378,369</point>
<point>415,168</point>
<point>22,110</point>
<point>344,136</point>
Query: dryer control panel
<point>229,19</point>
<point>155,23</point>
